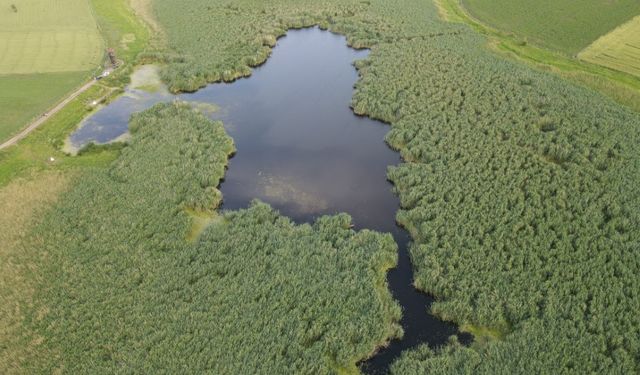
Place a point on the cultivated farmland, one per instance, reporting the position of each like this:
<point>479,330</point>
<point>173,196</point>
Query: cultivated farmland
<point>563,25</point>
<point>43,36</point>
<point>620,49</point>
<point>25,96</point>
<point>47,48</point>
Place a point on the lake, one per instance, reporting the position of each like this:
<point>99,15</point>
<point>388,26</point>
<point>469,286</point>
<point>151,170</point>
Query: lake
<point>301,149</point>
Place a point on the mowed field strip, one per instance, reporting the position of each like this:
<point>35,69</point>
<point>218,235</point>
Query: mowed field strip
<point>619,49</point>
<point>45,36</point>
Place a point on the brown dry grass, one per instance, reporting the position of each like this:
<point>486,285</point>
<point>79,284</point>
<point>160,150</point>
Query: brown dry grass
<point>22,203</point>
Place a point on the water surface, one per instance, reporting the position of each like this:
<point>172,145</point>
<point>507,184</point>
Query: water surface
<point>301,149</point>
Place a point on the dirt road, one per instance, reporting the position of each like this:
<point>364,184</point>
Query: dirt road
<point>34,125</point>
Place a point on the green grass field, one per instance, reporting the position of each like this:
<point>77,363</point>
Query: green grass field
<point>30,156</point>
<point>619,50</point>
<point>563,25</point>
<point>43,36</point>
<point>120,28</point>
<point>49,51</point>
<point>25,96</point>
<point>47,48</point>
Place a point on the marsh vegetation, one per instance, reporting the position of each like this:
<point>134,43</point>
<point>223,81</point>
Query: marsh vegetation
<point>302,298</point>
<point>518,189</point>
<point>302,150</point>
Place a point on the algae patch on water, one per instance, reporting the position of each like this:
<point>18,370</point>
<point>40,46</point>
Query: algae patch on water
<point>206,108</point>
<point>147,78</point>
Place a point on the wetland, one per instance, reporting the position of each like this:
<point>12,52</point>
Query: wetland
<point>301,149</point>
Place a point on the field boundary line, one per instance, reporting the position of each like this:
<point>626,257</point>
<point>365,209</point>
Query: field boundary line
<point>608,48</point>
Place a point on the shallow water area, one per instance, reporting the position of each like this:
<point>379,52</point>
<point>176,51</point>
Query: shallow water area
<point>110,123</point>
<point>301,149</point>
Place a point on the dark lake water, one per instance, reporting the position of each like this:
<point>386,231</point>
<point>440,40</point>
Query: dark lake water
<point>301,149</point>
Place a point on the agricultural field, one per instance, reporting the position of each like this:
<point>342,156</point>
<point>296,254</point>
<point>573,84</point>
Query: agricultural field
<point>25,96</point>
<point>129,36</point>
<point>47,48</point>
<point>519,190</point>
<point>43,36</point>
<point>619,49</point>
<point>562,25</point>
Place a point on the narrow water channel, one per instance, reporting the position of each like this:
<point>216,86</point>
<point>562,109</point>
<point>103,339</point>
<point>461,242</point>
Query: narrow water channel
<point>301,149</point>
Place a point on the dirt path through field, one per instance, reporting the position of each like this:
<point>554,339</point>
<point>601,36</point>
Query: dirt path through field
<point>42,119</point>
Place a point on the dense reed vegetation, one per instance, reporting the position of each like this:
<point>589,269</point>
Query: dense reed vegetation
<point>125,292</point>
<point>520,189</point>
